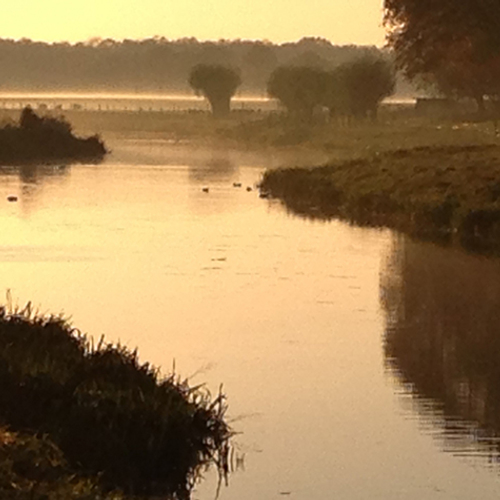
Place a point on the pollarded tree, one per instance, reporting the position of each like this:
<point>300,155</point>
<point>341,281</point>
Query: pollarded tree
<point>363,84</point>
<point>300,89</point>
<point>454,44</point>
<point>217,83</point>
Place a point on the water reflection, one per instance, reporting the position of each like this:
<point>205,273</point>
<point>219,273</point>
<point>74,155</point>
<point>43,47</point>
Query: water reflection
<point>218,168</point>
<point>27,182</point>
<point>33,173</point>
<point>443,341</point>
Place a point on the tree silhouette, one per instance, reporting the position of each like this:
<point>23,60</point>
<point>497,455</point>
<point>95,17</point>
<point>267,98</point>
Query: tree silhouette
<point>362,84</point>
<point>299,88</point>
<point>217,83</point>
<point>453,43</point>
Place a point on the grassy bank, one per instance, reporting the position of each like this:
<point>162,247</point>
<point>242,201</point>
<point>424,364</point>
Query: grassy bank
<point>109,422</point>
<point>450,193</point>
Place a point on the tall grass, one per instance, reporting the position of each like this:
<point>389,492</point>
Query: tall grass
<point>110,414</point>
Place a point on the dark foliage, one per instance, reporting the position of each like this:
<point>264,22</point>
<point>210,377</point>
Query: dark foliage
<point>358,87</point>
<point>452,43</point>
<point>44,139</point>
<point>354,89</point>
<point>109,414</point>
<point>218,83</point>
<point>299,88</point>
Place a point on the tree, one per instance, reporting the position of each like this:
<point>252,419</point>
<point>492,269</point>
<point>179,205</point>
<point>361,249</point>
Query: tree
<point>454,44</point>
<point>359,86</point>
<point>299,88</point>
<point>217,83</point>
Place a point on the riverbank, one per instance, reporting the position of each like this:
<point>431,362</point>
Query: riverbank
<point>83,420</point>
<point>447,193</point>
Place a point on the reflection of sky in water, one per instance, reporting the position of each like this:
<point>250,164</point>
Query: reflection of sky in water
<point>284,311</point>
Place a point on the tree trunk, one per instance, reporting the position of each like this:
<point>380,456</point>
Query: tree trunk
<point>221,106</point>
<point>481,108</point>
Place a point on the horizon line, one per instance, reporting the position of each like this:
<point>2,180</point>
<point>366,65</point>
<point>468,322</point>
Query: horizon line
<point>95,40</point>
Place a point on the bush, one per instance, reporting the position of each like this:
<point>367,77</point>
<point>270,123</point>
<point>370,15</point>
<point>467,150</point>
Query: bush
<point>44,139</point>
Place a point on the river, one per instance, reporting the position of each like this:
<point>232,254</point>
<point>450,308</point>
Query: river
<point>358,364</point>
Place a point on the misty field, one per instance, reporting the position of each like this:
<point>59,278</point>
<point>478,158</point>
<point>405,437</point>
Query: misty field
<point>397,127</point>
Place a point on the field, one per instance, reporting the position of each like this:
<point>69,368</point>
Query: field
<point>398,127</point>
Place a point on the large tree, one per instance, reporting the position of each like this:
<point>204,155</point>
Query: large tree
<point>452,43</point>
<point>217,83</point>
<point>358,87</point>
<point>299,89</point>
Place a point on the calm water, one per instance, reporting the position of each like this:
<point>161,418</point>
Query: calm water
<point>358,364</point>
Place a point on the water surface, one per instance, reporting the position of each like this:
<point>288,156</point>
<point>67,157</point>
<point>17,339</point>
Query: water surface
<point>352,358</point>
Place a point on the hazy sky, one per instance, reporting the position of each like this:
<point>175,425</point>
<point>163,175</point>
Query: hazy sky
<point>341,21</point>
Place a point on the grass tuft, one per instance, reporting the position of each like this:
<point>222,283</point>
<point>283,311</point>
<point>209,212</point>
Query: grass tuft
<point>110,415</point>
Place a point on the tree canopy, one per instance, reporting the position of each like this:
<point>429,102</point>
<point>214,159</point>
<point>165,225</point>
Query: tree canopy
<point>355,88</point>
<point>217,83</point>
<point>359,86</point>
<point>452,43</point>
<point>299,88</point>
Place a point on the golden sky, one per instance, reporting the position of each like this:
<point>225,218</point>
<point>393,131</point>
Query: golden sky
<point>341,21</point>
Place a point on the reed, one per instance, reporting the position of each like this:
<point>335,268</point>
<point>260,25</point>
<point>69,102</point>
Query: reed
<point>111,415</point>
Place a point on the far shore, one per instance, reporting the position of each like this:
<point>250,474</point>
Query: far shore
<point>436,177</point>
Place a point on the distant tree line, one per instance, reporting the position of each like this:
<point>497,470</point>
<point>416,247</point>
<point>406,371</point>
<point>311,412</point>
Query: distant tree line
<point>156,64</point>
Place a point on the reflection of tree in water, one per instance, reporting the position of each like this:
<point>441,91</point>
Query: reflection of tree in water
<point>32,178</point>
<point>443,337</point>
<point>212,170</point>
<point>33,173</point>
